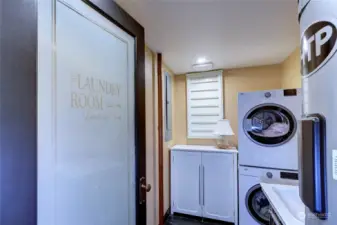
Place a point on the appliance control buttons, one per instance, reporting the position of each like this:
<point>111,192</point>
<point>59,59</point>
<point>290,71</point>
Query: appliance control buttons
<point>269,175</point>
<point>267,94</point>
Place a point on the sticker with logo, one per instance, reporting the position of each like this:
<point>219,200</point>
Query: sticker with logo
<point>318,46</point>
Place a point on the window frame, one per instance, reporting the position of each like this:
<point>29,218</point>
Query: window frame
<point>168,106</point>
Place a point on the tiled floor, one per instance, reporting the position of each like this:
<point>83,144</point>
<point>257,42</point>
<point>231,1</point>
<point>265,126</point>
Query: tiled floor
<point>182,220</point>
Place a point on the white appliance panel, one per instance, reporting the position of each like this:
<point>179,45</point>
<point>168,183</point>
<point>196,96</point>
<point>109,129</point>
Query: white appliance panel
<point>282,156</point>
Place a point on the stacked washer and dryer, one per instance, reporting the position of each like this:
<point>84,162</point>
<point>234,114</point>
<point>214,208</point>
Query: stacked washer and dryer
<point>267,147</point>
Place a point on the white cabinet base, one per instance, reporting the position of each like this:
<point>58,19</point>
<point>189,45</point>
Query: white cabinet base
<point>204,182</point>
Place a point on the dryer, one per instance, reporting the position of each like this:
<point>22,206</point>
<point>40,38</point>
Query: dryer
<point>267,129</point>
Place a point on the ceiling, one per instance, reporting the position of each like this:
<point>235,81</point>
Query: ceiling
<point>231,33</point>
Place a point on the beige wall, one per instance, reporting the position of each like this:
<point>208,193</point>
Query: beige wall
<point>235,81</point>
<point>291,70</point>
<point>151,92</point>
<point>169,144</point>
<point>151,161</point>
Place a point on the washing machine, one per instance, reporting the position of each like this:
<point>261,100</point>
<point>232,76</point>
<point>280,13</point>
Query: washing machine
<point>267,132</point>
<point>253,204</point>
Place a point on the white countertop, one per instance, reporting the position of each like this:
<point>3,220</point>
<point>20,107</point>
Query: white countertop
<point>202,148</point>
<point>286,203</point>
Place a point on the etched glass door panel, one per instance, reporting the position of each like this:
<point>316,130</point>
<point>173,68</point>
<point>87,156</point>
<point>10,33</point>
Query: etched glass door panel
<point>91,112</point>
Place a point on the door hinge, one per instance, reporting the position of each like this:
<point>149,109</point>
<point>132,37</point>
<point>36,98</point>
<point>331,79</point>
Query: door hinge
<point>173,203</point>
<point>172,158</point>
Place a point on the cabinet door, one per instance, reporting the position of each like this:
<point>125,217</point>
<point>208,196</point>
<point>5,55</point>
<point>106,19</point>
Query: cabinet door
<point>218,186</point>
<point>186,182</point>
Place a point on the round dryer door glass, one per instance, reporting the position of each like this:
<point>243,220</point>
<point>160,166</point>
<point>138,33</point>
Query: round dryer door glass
<point>258,205</point>
<point>269,125</point>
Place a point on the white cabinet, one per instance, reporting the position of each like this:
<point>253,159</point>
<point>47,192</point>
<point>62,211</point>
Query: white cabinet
<point>187,196</point>
<point>218,190</point>
<point>204,182</point>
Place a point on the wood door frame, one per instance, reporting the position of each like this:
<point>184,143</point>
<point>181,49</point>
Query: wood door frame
<point>18,111</point>
<point>160,139</point>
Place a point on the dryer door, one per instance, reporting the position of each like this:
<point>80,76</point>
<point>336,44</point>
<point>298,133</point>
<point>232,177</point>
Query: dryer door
<point>269,125</point>
<point>258,205</point>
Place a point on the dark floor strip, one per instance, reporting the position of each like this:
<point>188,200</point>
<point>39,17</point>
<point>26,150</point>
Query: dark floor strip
<point>179,219</point>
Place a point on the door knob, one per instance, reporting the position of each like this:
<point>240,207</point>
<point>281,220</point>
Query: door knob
<point>147,187</point>
<point>143,188</point>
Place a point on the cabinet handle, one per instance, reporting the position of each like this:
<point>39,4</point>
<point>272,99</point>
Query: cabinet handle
<point>200,183</point>
<point>203,185</point>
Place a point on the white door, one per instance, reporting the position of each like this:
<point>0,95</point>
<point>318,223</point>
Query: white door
<point>186,182</point>
<point>86,126</point>
<point>218,186</point>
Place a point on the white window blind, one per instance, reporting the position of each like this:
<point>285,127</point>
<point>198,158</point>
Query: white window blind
<point>204,103</point>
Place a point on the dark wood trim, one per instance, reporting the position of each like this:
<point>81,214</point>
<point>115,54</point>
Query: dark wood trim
<point>113,12</point>
<point>18,112</point>
<point>160,140</point>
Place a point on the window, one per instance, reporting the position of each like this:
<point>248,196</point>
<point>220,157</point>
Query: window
<point>168,107</point>
<point>204,103</point>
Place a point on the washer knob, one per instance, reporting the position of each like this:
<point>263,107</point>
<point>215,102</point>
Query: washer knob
<point>269,175</point>
<point>267,94</point>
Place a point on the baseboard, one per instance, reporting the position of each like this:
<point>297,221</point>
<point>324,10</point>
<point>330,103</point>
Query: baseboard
<point>167,214</point>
